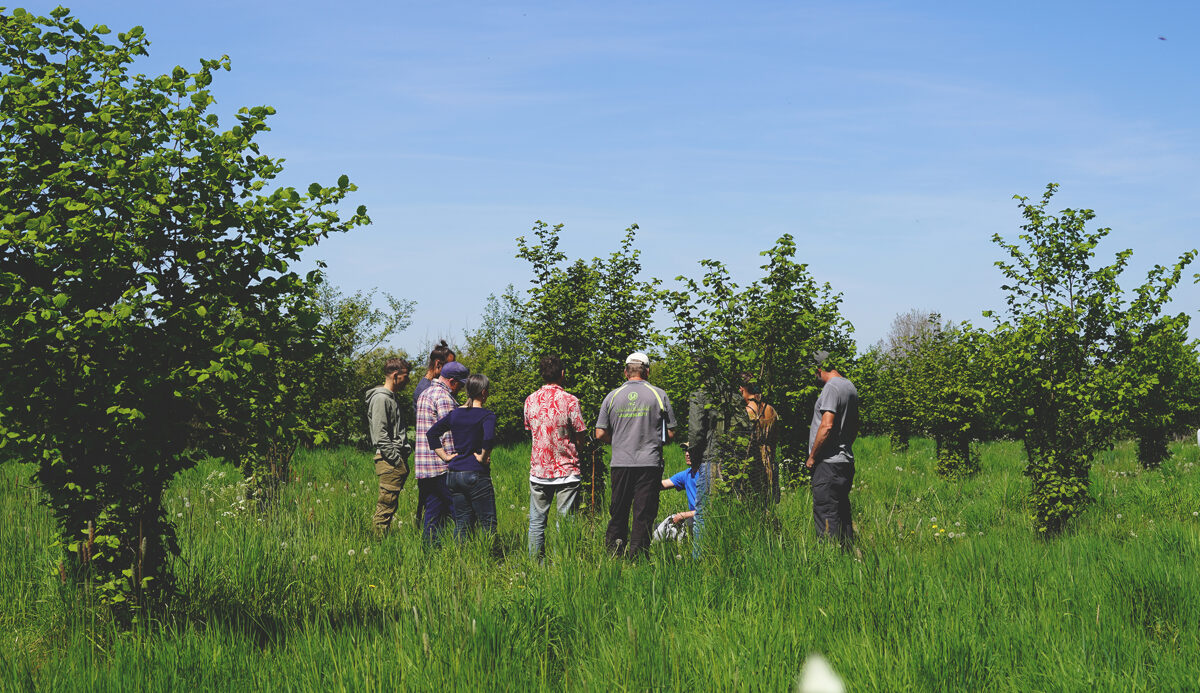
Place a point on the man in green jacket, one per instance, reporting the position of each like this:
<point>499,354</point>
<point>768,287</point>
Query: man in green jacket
<point>387,424</point>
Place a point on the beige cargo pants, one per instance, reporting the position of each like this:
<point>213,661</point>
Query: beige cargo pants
<point>391,483</point>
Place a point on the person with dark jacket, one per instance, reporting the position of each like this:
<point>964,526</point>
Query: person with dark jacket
<point>472,429</point>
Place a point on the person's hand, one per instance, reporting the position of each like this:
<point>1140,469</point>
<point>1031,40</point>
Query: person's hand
<point>809,463</point>
<point>676,519</point>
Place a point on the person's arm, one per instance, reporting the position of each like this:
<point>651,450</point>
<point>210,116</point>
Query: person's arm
<point>488,424</point>
<point>578,429</point>
<point>823,432</point>
<point>667,483</point>
<point>603,434</point>
<point>681,516</point>
<point>434,437</point>
<point>669,413</point>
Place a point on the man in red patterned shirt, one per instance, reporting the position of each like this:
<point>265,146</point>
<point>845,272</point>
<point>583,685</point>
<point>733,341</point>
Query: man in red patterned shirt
<point>552,415</point>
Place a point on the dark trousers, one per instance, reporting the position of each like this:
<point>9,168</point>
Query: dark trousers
<point>434,499</point>
<point>633,488</point>
<point>474,500</point>
<point>831,481</point>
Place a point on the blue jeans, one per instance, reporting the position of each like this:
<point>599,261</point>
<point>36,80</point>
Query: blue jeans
<point>434,499</point>
<point>474,501</point>
<point>540,498</point>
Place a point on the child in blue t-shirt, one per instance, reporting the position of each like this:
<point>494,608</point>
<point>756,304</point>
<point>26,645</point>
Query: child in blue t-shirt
<point>678,525</point>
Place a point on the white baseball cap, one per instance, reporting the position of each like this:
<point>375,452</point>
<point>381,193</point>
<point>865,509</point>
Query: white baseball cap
<point>638,357</point>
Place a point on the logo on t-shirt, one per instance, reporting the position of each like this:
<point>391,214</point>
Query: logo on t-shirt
<point>632,396</point>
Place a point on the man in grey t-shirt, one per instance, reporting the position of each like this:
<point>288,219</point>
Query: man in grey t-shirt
<point>637,420</point>
<point>830,452</point>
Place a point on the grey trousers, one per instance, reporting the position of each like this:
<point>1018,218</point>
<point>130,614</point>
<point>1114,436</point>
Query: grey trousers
<point>831,482</point>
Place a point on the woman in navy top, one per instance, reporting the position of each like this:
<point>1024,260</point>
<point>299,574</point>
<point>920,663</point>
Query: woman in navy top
<point>473,430</point>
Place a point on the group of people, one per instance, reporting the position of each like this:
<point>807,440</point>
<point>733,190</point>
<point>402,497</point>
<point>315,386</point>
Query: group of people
<point>453,444</point>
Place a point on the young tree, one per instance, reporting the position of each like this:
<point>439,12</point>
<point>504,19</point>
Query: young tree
<point>895,407</point>
<point>947,387</point>
<point>1059,349</point>
<point>357,329</point>
<point>499,348</point>
<point>145,276</point>
<point>592,315</point>
<point>1161,384</point>
<point>768,330</point>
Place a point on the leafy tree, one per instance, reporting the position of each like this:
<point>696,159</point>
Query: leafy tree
<point>499,348</point>
<point>948,387</point>
<point>1162,384</point>
<point>145,278</point>
<point>894,403</point>
<point>767,330</point>
<point>592,315</point>
<point>1060,348</point>
<point>356,329</point>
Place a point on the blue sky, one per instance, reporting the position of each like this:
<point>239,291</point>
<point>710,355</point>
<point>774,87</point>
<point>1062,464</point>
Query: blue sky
<point>888,138</point>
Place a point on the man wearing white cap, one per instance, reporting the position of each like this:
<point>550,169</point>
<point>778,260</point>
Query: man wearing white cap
<point>637,420</point>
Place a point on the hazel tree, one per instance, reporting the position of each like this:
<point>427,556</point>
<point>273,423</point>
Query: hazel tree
<point>145,281</point>
<point>591,314</point>
<point>1061,343</point>
<point>769,330</point>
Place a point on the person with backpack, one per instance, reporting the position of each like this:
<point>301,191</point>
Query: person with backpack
<point>387,429</point>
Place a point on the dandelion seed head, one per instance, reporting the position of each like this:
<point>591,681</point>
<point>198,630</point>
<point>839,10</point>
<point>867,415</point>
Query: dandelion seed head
<point>350,552</point>
<point>312,558</point>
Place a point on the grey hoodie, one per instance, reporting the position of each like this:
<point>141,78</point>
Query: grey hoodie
<point>387,425</point>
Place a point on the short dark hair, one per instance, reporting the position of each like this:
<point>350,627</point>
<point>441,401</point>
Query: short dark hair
<point>550,368</point>
<point>639,369</point>
<point>441,352</point>
<point>395,364</point>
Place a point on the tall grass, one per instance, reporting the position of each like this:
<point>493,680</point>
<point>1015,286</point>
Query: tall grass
<point>953,590</point>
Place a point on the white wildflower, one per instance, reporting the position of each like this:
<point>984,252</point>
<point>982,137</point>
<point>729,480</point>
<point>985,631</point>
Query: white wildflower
<point>350,552</point>
<point>312,558</point>
<point>366,550</point>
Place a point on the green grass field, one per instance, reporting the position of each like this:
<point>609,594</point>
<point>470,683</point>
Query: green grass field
<point>953,592</point>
